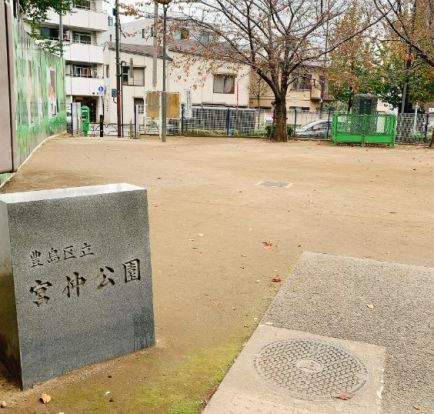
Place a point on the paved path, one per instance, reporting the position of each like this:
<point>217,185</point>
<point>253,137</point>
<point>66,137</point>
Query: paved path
<point>339,324</point>
<point>212,274</point>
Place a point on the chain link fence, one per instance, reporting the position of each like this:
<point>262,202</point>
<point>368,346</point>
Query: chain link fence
<point>414,129</point>
<point>230,122</point>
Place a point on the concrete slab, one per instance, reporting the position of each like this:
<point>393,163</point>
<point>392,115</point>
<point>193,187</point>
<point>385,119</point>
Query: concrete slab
<point>301,379</point>
<point>380,313</point>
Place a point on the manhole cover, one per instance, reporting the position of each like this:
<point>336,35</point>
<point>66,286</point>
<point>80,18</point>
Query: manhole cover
<point>310,369</point>
<point>279,184</point>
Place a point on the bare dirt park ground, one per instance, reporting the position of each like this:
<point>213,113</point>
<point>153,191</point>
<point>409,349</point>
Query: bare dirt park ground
<point>212,275</point>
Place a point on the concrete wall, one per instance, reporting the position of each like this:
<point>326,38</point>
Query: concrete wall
<point>39,93</point>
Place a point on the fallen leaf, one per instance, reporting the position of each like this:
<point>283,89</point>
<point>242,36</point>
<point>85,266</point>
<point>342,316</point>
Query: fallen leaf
<point>267,245</point>
<point>417,407</point>
<point>344,395</point>
<point>243,255</point>
<point>3,404</point>
<point>276,279</point>
<point>370,306</point>
<point>200,234</point>
<point>45,398</point>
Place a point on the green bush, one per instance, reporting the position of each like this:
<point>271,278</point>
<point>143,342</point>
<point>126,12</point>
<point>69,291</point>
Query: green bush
<point>269,130</point>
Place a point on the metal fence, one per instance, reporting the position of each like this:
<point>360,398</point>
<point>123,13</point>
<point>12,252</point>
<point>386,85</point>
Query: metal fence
<point>414,129</point>
<point>231,122</point>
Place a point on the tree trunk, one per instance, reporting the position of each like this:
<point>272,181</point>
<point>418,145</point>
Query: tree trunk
<point>432,139</point>
<point>280,131</point>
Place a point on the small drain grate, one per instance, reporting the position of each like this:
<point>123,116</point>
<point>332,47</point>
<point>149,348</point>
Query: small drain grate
<point>310,369</point>
<point>278,184</point>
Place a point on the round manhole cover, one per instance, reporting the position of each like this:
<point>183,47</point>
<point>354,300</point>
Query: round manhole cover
<point>309,369</point>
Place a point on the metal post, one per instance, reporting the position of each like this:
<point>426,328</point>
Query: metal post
<point>135,121</point>
<point>295,121</point>
<point>122,103</point>
<point>328,123</point>
<point>182,118</point>
<point>425,129</point>
<point>118,72</point>
<point>164,96</point>
<point>228,122</point>
<point>101,126</point>
<point>415,119</point>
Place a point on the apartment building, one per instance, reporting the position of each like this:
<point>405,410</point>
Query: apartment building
<point>307,89</point>
<point>83,39</point>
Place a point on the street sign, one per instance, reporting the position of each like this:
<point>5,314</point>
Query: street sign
<point>101,89</point>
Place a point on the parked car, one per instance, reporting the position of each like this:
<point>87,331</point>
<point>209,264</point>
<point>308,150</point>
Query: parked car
<point>315,129</point>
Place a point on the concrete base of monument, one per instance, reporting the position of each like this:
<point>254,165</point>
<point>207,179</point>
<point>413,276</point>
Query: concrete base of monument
<point>343,335</point>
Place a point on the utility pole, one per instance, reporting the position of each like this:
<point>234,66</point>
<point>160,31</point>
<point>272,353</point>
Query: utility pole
<point>164,94</point>
<point>118,70</point>
<point>155,41</point>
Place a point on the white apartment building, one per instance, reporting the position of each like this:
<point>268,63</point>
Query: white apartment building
<point>83,29</point>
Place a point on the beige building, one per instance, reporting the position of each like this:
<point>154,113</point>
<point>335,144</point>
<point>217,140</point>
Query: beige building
<point>307,89</point>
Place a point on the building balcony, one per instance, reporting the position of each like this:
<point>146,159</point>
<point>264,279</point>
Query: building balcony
<point>79,52</point>
<point>80,86</point>
<point>315,94</point>
<point>87,19</point>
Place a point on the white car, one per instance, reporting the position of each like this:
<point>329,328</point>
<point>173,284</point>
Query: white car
<point>315,129</point>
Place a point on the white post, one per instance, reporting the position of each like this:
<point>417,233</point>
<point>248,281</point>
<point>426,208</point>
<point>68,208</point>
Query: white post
<point>415,119</point>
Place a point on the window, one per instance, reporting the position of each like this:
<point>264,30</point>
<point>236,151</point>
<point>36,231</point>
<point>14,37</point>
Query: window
<point>107,71</point>
<point>82,71</point>
<point>139,103</point>
<point>206,37</point>
<point>143,33</point>
<point>125,74</point>
<point>110,21</point>
<point>302,81</point>
<point>182,34</point>
<point>111,38</point>
<point>152,31</point>
<point>138,76</point>
<point>50,33</point>
<point>82,37</point>
<point>224,84</point>
<point>82,4</point>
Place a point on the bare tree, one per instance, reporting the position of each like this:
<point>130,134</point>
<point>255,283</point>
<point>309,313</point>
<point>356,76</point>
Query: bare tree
<point>273,37</point>
<point>413,22</point>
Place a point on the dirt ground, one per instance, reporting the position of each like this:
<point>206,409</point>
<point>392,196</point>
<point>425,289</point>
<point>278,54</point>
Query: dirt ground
<point>212,274</point>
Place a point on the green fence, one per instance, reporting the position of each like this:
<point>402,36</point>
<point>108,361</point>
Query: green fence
<point>364,129</point>
<point>39,94</point>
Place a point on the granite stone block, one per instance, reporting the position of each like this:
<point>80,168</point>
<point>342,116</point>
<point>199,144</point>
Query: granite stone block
<point>75,278</point>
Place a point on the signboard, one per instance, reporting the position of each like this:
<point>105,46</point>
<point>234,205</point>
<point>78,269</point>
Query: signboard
<point>101,89</point>
<point>268,118</point>
<point>173,106</point>
<point>153,104</point>
<point>7,117</point>
<point>188,106</point>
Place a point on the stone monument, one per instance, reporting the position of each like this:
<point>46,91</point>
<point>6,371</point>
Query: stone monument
<point>75,278</point>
